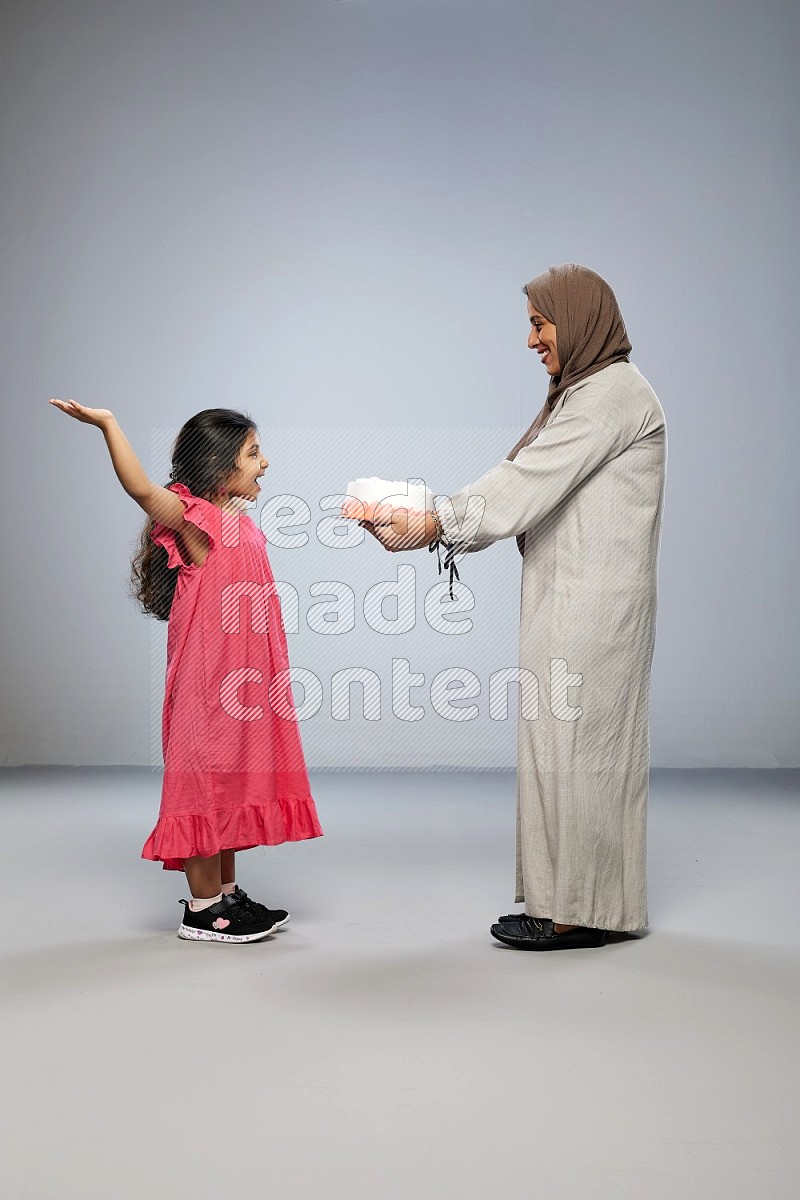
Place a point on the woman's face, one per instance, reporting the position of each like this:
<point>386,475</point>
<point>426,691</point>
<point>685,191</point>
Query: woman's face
<point>543,340</point>
<point>249,466</point>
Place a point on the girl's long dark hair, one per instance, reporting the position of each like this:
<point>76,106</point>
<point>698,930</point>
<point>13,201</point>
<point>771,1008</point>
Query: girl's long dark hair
<point>203,457</point>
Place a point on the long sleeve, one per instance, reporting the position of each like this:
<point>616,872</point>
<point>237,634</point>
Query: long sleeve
<point>596,425</point>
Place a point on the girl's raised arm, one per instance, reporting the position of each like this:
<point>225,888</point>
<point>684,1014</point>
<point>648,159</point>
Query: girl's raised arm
<point>158,502</point>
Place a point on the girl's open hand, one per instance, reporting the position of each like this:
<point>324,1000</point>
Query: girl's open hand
<point>89,416</point>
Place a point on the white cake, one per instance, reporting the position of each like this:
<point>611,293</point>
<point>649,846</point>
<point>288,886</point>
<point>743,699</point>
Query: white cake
<point>364,494</point>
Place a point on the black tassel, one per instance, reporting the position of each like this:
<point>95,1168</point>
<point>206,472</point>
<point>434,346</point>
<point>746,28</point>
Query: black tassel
<point>450,550</point>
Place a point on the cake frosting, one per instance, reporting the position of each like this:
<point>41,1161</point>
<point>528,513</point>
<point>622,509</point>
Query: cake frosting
<point>362,496</point>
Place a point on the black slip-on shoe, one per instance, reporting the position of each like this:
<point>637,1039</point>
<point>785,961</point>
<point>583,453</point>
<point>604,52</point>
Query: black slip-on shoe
<point>522,932</point>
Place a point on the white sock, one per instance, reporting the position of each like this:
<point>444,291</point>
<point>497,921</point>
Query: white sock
<point>199,905</point>
<point>228,889</point>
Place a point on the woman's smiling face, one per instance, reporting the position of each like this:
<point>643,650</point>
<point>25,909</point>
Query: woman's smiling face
<point>543,340</point>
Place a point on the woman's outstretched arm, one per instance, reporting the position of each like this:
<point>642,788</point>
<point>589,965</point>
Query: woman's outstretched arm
<point>515,494</point>
<point>599,422</point>
<point>158,502</point>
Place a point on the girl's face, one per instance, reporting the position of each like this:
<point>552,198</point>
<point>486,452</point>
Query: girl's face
<point>543,340</point>
<point>250,466</point>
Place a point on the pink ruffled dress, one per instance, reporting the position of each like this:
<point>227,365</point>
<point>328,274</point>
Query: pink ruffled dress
<point>234,772</point>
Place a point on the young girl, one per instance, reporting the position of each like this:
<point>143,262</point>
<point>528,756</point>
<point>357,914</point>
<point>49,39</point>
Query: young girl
<point>234,772</point>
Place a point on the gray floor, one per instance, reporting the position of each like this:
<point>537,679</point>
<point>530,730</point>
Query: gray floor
<point>383,1046</point>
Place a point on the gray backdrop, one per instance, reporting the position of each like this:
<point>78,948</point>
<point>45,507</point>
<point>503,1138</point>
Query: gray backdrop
<point>322,212</point>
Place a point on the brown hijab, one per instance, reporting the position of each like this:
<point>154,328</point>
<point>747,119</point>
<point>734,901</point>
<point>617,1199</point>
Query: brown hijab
<point>590,333</point>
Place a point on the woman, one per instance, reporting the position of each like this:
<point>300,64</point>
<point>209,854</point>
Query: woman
<point>582,491</point>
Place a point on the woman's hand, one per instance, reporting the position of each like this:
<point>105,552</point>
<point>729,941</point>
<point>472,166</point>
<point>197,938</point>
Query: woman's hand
<point>90,416</point>
<point>401,528</point>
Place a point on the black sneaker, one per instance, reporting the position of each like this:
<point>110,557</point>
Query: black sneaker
<point>278,915</point>
<point>225,921</point>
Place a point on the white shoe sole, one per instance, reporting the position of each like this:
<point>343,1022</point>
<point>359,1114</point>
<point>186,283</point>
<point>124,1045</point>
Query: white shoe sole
<point>190,934</point>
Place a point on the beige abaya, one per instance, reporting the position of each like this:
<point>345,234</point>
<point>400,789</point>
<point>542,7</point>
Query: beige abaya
<point>587,494</point>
